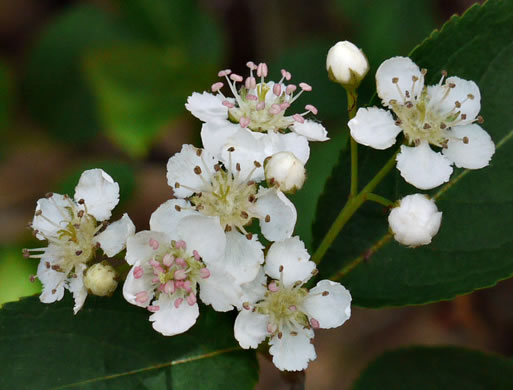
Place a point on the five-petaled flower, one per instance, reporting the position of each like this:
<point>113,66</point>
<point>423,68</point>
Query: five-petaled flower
<point>440,115</point>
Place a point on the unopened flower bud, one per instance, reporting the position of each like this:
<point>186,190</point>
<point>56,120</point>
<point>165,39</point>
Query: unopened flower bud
<point>285,171</point>
<point>415,221</point>
<point>346,64</point>
<point>100,280</point>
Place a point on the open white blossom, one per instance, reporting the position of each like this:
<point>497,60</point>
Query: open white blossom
<point>75,230</point>
<point>287,312</point>
<point>346,64</point>
<point>255,120</point>
<point>285,171</point>
<point>206,188</point>
<point>415,221</point>
<point>170,266</point>
<point>440,115</point>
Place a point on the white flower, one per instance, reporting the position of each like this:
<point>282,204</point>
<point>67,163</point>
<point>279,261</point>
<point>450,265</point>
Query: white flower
<point>169,266</point>
<point>100,279</point>
<point>346,64</point>
<point>254,120</point>
<point>287,312</point>
<point>285,171</point>
<point>415,221</point>
<point>205,188</point>
<point>440,115</point>
<point>73,229</point>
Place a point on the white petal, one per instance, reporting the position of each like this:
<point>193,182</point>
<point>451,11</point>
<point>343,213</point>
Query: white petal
<point>113,239</point>
<point>329,310</point>
<point>219,290</point>
<point>290,142</point>
<point>404,69</point>
<point>170,320</point>
<point>292,353</point>
<point>180,170</point>
<point>138,246</point>
<point>475,154</point>
<point>76,286</point>
<point>215,136</point>
<point>166,218</point>
<point>203,234</point>
<point>293,256</point>
<point>99,191</point>
<point>242,258</point>
<point>53,281</point>
<point>374,127</point>
<point>442,99</point>
<point>422,167</point>
<point>250,328</point>
<point>282,213</point>
<point>132,286</point>
<point>248,147</point>
<point>207,107</point>
<point>54,216</point>
<point>313,131</point>
<point>253,291</point>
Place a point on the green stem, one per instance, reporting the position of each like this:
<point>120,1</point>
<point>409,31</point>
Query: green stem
<point>379,199</point>
<point>352,98</point>
<point>349,209</point>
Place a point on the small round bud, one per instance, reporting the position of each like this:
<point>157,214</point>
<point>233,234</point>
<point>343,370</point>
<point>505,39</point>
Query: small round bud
<point>346,64</point>
<point>285,171</point>
<point>415,221</point>
<point>100,280</point>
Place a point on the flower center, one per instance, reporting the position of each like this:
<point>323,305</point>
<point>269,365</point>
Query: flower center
<point>229,197</point>
<point>261,106</point>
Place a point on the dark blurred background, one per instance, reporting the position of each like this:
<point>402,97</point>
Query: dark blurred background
<point>102,83</point>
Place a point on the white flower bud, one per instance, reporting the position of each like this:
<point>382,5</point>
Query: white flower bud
<point>285,171</point>
<point>346,64</point>
<point>100,279</point>
<point>415,221</point>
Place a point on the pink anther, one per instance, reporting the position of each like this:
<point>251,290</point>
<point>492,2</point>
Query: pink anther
<point>196,255</point>
<point>178,302</point>
<point>169,287</point>
<point>277,89</point>
<point>260,106</point>
<point>314,323</point>
<point>216,86</point>
<point>271,328</point>
<point>251,97</point>
<point>284,106</point>
<point>187,285</point>
<point>191,299</point>
<point>305,87</point>
<point>138,272</point>
<point>290,89</point>
<point>286,74</point>
<point>312,109</point>
<point>154,244</point>
<point>181,262</point>
<point>178,284</point>
<point>168,259</point>
<point>204,273</point>
<point>236,77</point>
<point>292,308</point>
<point>273,287</point>
<point>250,83</point>
<point>244,122</point>
<point>251,65</point>
<point>298,118</point>
<point>228,104</point>
<point>141,297</point>
<point>181,244</point>
<point>275,109</point>
<point>156,279</point>
<point>262,70</point>
<point>153,308</point>
<point>224,73</point>
<point>180,274</point>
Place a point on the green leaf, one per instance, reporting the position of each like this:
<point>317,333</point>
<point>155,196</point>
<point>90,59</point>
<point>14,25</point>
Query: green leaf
<point>141,89</point>
<point>14,275</point>
<point>110,344</point>
<point>473,249</point>
<point>6,97</point>
<point>441,368</point>
<point>54,85</point>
